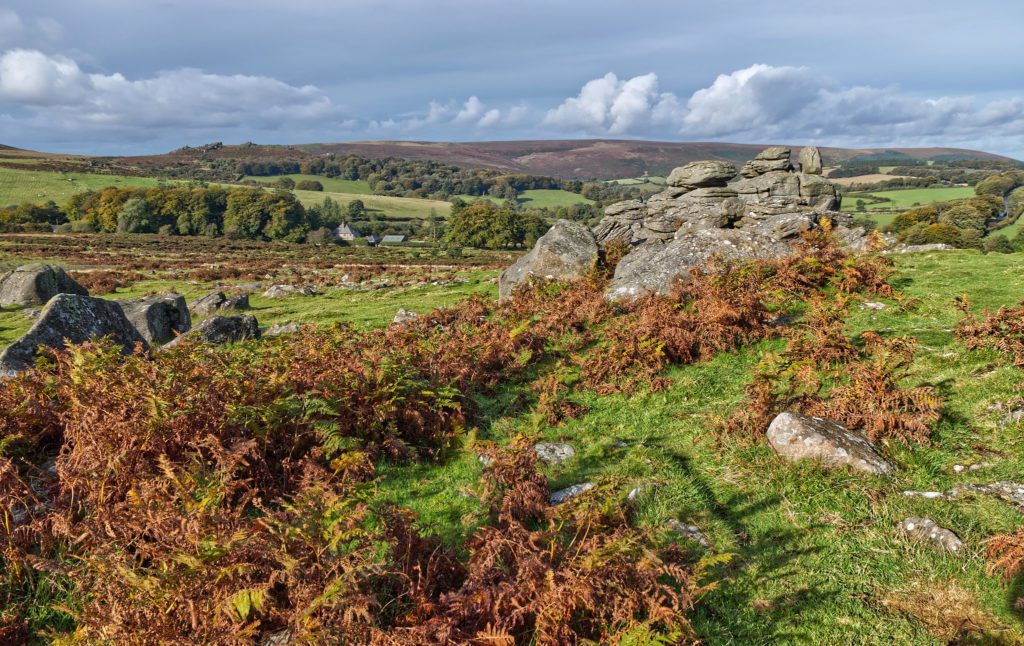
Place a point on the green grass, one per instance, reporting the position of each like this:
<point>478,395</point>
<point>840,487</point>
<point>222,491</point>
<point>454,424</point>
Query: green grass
<point>18,186</point>
<point>332,184</point>
<point>817,556</point>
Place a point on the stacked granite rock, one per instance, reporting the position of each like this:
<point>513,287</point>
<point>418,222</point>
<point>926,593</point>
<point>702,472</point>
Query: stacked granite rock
<point>709,195</point>
<point>709,210</point>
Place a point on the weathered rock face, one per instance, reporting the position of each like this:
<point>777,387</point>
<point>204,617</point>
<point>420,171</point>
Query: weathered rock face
<point>810,160</point>
<point>701,174</point>
<point>71,318</point>
<point>563,253</point>
<point>802,437</point>
<point>771,205</point>
<point>656,266</point>
<point>284,291</point>
<point>218,302</point>
<point>218,330</point>
<point>158,318</point>
<point>773,158</point>
<point>36,285</point>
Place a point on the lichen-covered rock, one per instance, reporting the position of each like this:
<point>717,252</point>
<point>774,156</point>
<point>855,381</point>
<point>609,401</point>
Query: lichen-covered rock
<point>656,266</point>
<point>281,329</point>
<point>218,330</point>
<point>554,452</point>
<point>700,174</point>
<point>931,533</point>
<point>403,316</point>
<point>563,253</point>
<point>158,318</point>
<point>35,285</point>
<point>560,496</point>
<point>810,160</point>
<point>773,158</point>
<point>802,437</point>
<point>218,302</point>
<point>71,318</point>
<point>284,291</point>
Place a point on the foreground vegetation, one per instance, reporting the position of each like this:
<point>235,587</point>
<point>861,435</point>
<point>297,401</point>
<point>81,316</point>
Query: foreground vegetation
<point>329,485</point>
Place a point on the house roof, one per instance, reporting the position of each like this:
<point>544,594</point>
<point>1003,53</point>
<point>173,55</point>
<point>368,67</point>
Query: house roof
<point>393,238</point>
<point>345,229</point>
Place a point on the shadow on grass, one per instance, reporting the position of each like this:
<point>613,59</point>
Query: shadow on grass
<point>769,557</point>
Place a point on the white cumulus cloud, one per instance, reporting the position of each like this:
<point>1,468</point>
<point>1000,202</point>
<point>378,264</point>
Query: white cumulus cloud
<point>764,103</point>
<point>612,106</point>
<point>56,90</point>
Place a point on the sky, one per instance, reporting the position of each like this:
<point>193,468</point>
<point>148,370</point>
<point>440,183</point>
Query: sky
<point>147,76</point>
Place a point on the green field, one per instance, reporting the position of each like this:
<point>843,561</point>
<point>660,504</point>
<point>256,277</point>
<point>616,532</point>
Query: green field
<point>401,208</point>
<point>332,184</point>
<point>537,198</point>
<point>18,186</point>
<point>901,200</point>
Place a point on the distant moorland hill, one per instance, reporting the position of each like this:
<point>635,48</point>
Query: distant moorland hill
<point>580,159</point>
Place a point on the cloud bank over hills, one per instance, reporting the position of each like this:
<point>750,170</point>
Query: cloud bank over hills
<point>54,93</point>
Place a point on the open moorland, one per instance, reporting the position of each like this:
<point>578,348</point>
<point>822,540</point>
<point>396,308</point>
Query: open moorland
<point>787,552</point>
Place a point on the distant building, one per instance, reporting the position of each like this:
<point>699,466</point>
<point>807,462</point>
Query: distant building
<point>372,239</point>
<point>346,233</point>
<point>393,239</point>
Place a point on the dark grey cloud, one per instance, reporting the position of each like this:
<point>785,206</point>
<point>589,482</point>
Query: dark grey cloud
<point>119,75</point>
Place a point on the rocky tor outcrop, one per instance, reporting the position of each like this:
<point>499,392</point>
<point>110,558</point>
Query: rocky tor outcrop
<point>36,285</point>
<point>705,212</point>
<point>71,318</point>
<point>158,318</point>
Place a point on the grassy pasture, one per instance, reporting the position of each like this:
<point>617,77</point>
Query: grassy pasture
<point>384,205</point>
<point>18,186</point>
<point>904,199</point>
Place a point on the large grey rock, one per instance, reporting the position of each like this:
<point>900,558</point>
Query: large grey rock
<point>218,330</point>
<point>802,437</point>
<point>773,158</point>
<point>657,266</point>
<point>158,318</point>
<point>563,253</point>
<point>700,174</point>
<point>36,285</point>
<point>217,302</point>
<point>71,318</point>
<point>929,532</point>
<point>810,160</point>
